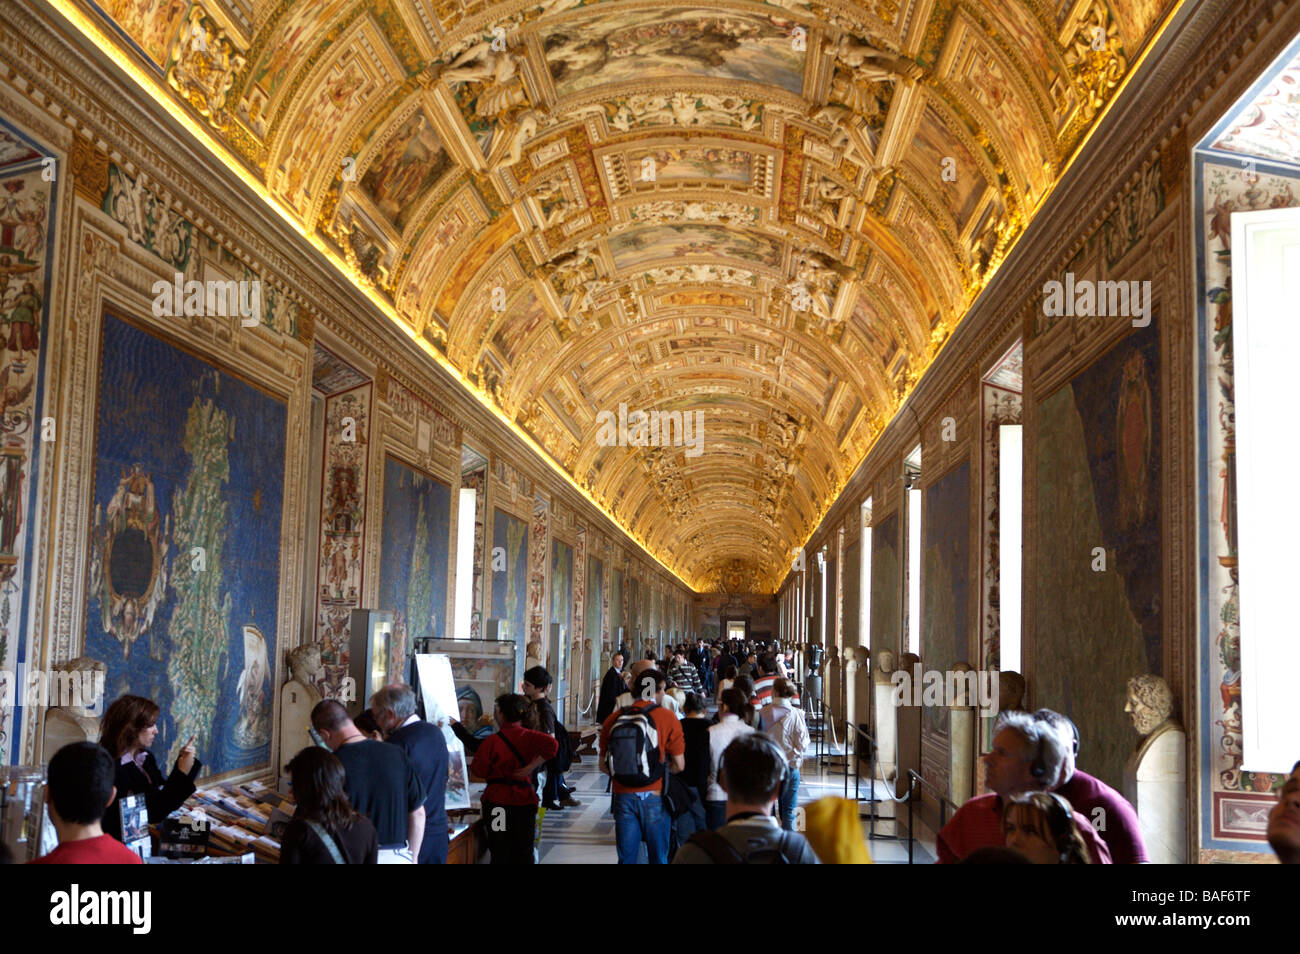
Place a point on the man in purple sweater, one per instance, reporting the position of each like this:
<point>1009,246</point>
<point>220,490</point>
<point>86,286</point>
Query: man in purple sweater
<point>1110,813</point>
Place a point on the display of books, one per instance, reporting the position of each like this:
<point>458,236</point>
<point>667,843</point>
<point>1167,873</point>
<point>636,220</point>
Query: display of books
<point>245,818</point>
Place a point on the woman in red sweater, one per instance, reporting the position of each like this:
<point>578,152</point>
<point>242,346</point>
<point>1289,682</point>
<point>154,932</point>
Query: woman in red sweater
<point>507,760</point>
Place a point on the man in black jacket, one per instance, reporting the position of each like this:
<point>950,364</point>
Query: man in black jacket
<point>426,747</point>
<point>536,685</point>
<point>611,687</point>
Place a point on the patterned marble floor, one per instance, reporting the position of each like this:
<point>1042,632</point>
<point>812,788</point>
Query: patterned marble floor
<point>585,835</point>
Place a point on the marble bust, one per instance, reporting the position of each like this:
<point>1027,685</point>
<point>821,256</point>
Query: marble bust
<point>1155,776</point>
<point>77,723</point>
<point>1150,704</point>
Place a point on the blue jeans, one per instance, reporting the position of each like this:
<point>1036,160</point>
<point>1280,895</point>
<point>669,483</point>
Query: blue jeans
<point>715,814</point>
<point>641,817</point>
<point>789,799</point>
<point>691,822</point>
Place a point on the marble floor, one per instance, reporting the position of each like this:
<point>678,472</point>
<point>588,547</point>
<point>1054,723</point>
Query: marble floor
<point>585,835</point>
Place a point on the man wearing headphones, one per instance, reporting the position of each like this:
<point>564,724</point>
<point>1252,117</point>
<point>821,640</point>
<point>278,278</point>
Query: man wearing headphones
<point>1027,756</point>
<point>752,772</point>
<point>1111,815</point>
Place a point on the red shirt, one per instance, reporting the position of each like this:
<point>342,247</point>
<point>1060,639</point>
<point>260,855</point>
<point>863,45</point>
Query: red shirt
<point>978,824</point>
<point>671,741</point>
<point>100,850</point>
<point>494,760</point>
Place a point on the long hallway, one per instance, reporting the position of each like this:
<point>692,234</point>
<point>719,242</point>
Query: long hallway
<point>360,358</point>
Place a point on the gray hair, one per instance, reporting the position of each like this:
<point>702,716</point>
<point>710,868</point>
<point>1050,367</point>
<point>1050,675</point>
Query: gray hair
<point>399,699</point>
<point>1043,746</point>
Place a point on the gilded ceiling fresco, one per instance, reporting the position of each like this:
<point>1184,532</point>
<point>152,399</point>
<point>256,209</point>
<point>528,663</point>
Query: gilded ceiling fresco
<point>766,218</point>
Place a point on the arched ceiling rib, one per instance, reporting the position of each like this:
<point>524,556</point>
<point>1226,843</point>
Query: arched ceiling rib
<point>773,214</point>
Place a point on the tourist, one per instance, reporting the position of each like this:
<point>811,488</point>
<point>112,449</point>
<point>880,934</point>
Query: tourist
<point>1113,817</point>
<point>425,746</point>
<point>78,789</point>
<point>129,728</point>
<point>1284,820</point>
<point>785,724</point>
<point>752,772</point>
<point>686,675</point>
<point>733,721</point>
<point>536,685</point>
<point>508,760</point>
<point>726,679</point>
<point>1027,756</point>
<point>639,745</point>
<point>325,828</point>
<point>766,677</point>
<point>380,783</point>
<point>1041,826</point>
<point>611,687</point>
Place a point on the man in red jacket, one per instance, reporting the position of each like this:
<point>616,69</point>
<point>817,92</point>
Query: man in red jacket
<point>79,787</point>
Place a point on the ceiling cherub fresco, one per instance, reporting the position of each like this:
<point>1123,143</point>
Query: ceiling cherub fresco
<point>769,213</point>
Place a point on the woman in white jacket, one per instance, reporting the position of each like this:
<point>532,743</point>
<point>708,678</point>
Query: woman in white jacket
<point>785,724</point>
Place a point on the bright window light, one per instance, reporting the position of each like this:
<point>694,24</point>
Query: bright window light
<point>465,564</point>
<point>1010,467</point>
<point>1265,341</point>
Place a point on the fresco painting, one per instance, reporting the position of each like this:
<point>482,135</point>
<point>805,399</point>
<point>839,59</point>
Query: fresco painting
<point>510,573</point>
<point>656,44</point>
<point>405,168</point>
<point>185,545</point>
<point>886,621</point>
<point>414,557</point>
<point>638,247</point>
<point>1098,474</point>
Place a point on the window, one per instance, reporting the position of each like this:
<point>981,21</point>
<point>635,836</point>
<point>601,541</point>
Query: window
<point>912,477</point>
<point>864,579</point>
<point>465,563</point>
<point>1265,341</point>
<point>1010,467</point>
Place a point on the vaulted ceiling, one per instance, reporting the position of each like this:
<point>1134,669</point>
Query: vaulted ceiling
<point>773,214</point>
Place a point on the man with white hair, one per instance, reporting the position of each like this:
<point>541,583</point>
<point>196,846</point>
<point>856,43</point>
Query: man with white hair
<point>1110,813</point>
<point>1027,756</point>
<point>425,746</point>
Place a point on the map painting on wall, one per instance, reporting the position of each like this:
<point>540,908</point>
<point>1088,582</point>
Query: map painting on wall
<point>185,545</point>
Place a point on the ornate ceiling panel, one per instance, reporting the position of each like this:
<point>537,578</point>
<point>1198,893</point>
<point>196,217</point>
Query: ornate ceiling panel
<point>764,218</point>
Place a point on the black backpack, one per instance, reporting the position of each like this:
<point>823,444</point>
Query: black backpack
<point>721,852</point>
<point>564,749</point>
<point>632,755</point>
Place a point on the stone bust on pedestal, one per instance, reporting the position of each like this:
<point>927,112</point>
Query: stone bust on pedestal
<point>1155,778</point>
<point>298,697</point>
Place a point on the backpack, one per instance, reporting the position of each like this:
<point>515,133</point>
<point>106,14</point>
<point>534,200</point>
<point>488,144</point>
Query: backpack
<point>721,852</point>
<point>632,756</point>
<point>564,749</point>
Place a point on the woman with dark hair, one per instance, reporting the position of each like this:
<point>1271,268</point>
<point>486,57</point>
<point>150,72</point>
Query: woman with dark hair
<point>1040,825</point>
<point>366,724</point>
<point>325,828</point>
<point>734,716</point>
<point>507,760</point>
<point>128,730</point>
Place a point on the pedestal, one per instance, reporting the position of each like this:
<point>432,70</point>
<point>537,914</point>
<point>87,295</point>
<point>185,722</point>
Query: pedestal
<point>1155,782</point>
